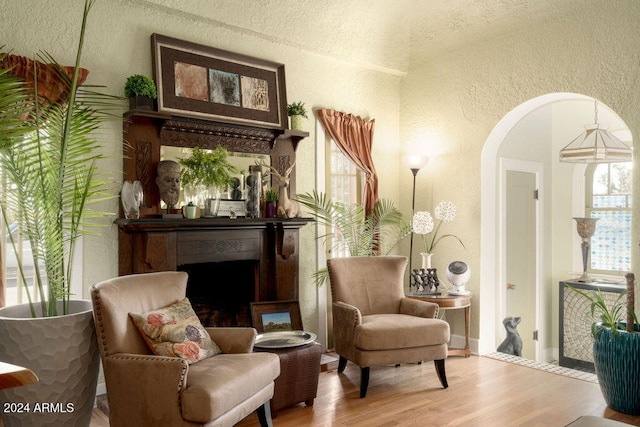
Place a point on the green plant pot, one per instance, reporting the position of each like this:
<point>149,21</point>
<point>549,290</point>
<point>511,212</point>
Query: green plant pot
<point>617,363</point>
<point>63,352</point>
<point>297,122</point>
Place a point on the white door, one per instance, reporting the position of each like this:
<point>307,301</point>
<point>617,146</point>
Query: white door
<point>521,252</point>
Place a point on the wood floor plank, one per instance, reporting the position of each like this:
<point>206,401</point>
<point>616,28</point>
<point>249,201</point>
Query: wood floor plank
<point>482,392</point>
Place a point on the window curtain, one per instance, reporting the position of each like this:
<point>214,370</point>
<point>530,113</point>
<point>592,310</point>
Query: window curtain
<point>354,137</point>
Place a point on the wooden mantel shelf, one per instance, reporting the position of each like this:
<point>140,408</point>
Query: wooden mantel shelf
<point>271,244</point>
<point>157,224</point>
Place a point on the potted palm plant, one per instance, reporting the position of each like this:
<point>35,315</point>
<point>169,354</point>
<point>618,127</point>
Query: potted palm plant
<point>354,232</point>
<point>207,172</point>
<point>49,157</point>
<point>616,347</point>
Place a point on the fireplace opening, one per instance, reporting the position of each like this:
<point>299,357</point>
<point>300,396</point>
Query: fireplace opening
<point>221,293</point>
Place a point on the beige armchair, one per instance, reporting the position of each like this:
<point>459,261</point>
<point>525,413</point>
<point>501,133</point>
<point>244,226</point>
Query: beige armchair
<point>148,390</point>
<point>375,324</point>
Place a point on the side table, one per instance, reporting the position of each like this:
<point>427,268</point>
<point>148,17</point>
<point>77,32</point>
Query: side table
<point>451,302</point>
<point>299,374</point>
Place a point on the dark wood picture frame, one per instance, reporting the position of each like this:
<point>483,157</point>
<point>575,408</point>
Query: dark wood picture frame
<point>278,312</point>
<point>213,84</point>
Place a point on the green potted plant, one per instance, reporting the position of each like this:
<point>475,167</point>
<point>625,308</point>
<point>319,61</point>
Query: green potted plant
<point>270,198</point>
<point>49,155</point>
<point>207,171</point>
<point>297,112</point>
<point>616,347</point>
<point>141,91</point>
<point>355,232</point>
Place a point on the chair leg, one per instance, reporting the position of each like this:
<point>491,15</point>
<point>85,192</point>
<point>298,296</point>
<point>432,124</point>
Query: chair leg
<point>441,372</point>
<point>264,414</point>
<point>342,363</point>
<point>364,381</point>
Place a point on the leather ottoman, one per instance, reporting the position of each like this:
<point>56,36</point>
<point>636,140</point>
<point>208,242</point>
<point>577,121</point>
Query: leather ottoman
<point>299,372</point>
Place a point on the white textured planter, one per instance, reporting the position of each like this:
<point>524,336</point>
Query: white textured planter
<point>63,353</point>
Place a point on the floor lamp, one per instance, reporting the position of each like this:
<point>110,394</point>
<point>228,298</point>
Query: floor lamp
<point>414,163</point>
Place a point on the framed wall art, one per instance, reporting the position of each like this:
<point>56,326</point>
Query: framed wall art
<point>276,316</point>
<point>213,84</point>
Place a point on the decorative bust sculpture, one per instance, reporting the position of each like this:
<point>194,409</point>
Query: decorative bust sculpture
<point>168,181</point>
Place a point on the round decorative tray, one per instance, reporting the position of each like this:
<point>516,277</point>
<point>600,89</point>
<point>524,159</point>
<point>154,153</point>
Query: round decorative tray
<point>284,339</point>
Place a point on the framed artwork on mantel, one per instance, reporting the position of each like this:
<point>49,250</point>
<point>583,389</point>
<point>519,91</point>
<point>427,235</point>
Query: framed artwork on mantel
<point>213,84</point>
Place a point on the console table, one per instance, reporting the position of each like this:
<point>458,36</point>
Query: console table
<point>576,344</point>
<point>451,302</point>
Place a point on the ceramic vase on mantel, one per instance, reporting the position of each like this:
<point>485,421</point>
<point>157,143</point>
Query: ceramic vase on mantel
<point>297,122</point>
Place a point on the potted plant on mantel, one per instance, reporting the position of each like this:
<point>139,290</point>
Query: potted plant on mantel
<point>206,172</point>
<point>141,91</point>
<point>616,348</point>
<point>297,112</point>
<point>49,158</point>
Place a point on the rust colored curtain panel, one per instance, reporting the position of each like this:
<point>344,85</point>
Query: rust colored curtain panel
<point>354,137</point>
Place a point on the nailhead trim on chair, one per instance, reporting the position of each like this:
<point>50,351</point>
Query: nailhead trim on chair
<point>158,359</point>
<point>95,295</point>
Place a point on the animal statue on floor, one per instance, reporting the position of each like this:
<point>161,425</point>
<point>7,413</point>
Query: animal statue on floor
<point>512,344</point>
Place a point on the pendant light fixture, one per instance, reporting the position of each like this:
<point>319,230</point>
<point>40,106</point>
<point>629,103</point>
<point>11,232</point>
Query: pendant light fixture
<point>596,145</point>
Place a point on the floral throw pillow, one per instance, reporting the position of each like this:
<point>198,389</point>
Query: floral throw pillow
<point>175,331</point>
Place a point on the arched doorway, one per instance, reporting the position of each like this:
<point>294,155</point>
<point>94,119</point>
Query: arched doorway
<point>555,217</point>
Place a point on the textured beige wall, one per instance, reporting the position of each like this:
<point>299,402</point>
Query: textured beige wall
<point>461,95</point>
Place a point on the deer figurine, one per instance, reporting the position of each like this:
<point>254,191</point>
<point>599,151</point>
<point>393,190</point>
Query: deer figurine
<point>285,208</point>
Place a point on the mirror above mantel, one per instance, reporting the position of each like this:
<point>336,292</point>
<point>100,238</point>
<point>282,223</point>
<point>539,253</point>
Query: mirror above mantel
<point>145,133</point>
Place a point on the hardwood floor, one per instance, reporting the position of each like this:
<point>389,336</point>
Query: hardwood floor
<point>482,392</point>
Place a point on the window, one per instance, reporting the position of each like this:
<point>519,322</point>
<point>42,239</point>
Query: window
<point>344,183</point>
<point>14,286</point>
<point>609,199</point>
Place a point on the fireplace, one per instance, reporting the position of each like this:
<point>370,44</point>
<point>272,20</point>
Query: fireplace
<point>221,293</point>
<point>230,262</point>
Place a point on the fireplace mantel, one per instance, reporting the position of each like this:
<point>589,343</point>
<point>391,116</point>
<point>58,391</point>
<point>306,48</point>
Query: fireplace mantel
<point>266,249</point>
<point>156,244</point>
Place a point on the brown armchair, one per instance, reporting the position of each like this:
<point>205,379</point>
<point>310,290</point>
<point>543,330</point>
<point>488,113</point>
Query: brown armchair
<point>375,324</point>
<point>148,390</point>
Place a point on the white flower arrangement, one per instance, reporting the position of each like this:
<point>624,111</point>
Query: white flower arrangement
<point>423,224</point>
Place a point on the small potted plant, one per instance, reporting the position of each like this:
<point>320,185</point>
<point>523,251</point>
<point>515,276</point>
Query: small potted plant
<point>141,91</point>
<point>270,198</point>
<point>615,347</point>
<point>191,211</point>
<point>297,112</point>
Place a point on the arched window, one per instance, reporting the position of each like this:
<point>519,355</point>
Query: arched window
<point>608,197</point>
